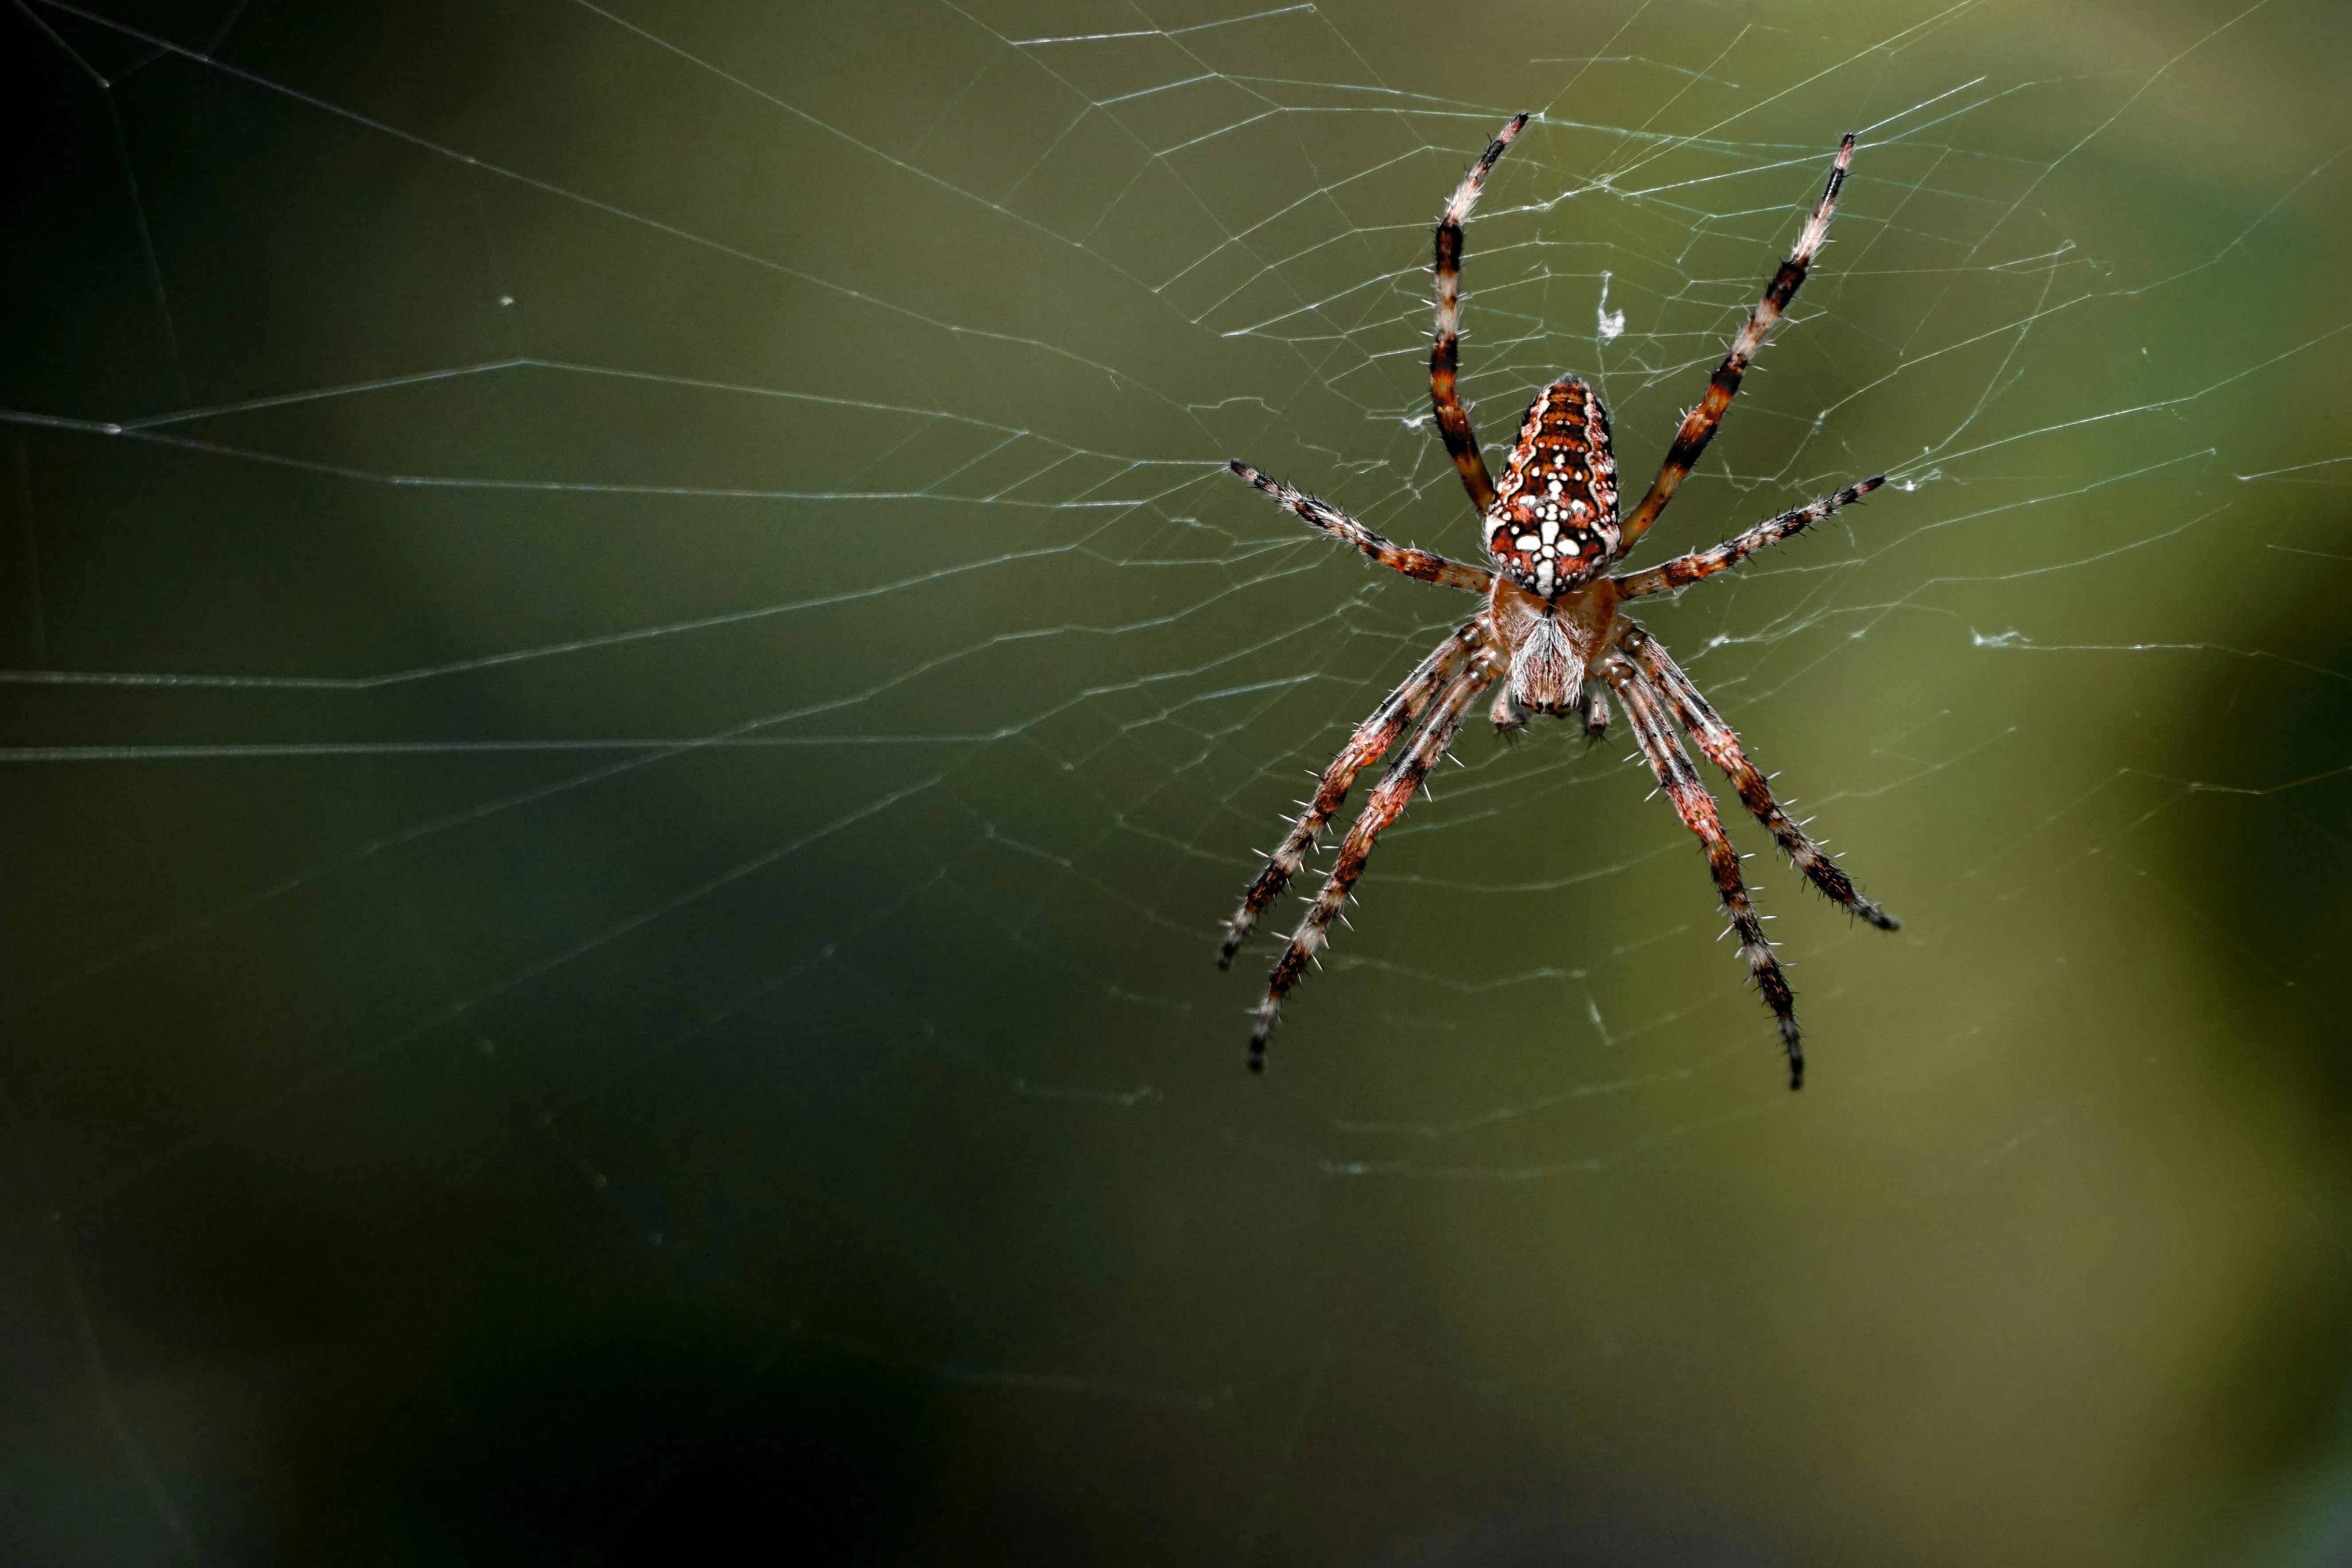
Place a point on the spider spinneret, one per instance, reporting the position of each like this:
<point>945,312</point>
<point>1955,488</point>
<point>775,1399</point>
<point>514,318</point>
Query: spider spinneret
<point>1550,634</point>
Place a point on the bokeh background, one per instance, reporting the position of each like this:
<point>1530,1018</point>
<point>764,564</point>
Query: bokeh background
<point>634,691</point>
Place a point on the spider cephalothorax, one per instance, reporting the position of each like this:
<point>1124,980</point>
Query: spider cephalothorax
<point>1547,644</point>
<point>1549,635</point>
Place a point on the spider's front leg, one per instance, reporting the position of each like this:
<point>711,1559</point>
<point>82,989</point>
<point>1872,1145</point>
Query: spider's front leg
<point>1388,799</point>
<point>1681,783</point>
<point>1370,741</point>
<point>1699,424</point>
<point>1446,344</point>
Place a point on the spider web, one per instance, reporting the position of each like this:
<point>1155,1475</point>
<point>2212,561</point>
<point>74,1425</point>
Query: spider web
<point>635,689</point>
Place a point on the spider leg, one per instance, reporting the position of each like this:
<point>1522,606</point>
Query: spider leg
<point>1423,565</point>
<point>1722,746</point>
<point>1698,425</point>
<point>1388,799</point>
<point>1371,740</point>
<point>1445,353</point>
<point>1684,570</point>
<point>1696,808</point>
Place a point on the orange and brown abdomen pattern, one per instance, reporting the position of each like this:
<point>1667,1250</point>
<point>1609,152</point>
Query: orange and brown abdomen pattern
<point>1554,521</point>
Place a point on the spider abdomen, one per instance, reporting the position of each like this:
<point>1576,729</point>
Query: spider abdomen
<point>1554,521</point>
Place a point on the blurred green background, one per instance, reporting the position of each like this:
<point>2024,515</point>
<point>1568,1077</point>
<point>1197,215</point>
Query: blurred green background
<point>635,692</point>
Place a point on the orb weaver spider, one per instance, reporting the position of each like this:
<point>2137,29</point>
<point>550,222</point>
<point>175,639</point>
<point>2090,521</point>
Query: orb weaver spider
<point>1550,634</point>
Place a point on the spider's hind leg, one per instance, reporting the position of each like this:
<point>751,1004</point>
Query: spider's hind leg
<point>1388,799</point>
<point>1370,741</point>
<point>1716,737</point>
<point>1681,783</point>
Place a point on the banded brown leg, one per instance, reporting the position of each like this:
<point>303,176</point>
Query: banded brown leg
<point>1698,426</point>
<point>1370,741</point>
<point>1681,783</point>
<point>1684,570</point>
<point>1445,347</point>
<point>1718,740</point>
<point>1388,802</point>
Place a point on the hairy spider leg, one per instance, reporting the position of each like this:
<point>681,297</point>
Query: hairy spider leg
<point>1699,565</point>
<point>1444,350</point>
<point>1426,565</point>
<point>1675,775</point>
<point>1698,425</point>
<point>1370,741</point>
<point>1388,799</point>
<point>1716,738</point>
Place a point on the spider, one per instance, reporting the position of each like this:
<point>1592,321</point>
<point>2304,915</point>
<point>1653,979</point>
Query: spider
<point>1550,632</point>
